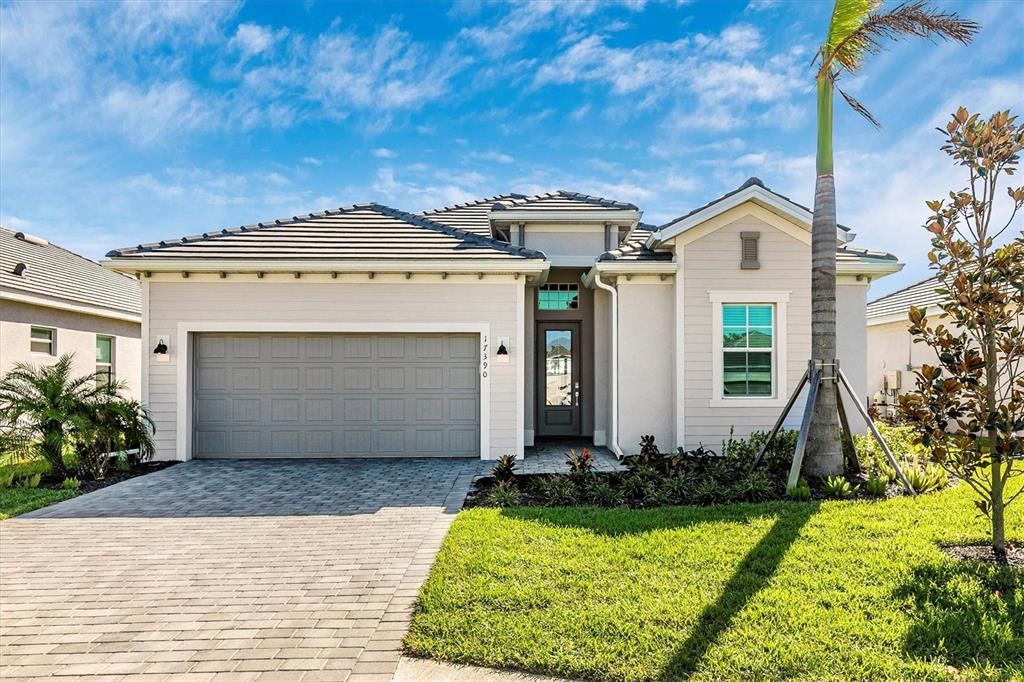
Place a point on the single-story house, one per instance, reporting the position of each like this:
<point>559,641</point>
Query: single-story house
<point>476,329</point>
<point>893,357</point>
<point>53,301</point>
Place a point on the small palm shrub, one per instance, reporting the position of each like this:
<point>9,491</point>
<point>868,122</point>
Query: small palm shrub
<point>801,492</point>
<point>604,494</point>
<point>505,494</point>
<point>71,484</point>
<point>559,491</point>
<point>505,469</point>
<point>876,486</point>
<point>108,426</point>
<point>838,487</point>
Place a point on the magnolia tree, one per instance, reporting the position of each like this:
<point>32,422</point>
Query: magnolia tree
<point>969,408</point>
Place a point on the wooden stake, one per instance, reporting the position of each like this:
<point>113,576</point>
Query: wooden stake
<point>782,417</point>
<point>805,427</point>
<point>849,449</point>
<point>877,435</point>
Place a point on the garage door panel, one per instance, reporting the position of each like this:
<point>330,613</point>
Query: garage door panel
<point>320,395</point>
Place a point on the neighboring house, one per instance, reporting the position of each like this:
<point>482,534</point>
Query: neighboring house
<point>54,302</point>
<point>475,329</point>
<point>892,354</point>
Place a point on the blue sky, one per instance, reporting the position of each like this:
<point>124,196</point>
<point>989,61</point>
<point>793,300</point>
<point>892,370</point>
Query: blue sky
<point>124,123</point>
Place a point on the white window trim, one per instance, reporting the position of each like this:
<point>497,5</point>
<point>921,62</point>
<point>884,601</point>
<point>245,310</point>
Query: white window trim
<point>113,356</point>
<point>53,341</point>
<point>779,299</point>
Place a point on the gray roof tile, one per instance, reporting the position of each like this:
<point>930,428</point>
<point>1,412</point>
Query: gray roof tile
<point>359,232</point>
<point>634,247</point>
<point>561,200</point>
<point>922,295</point>
<point>56,273</point>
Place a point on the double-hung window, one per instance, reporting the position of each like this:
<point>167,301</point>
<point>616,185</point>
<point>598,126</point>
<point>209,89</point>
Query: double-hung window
<point>748,350</point>
<point>104,359</point>
<point>42,340</point>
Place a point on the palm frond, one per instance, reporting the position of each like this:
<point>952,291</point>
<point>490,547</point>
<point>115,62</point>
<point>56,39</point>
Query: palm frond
<point>910,20</point>
<point>858,107</point>
<point>847,17</point>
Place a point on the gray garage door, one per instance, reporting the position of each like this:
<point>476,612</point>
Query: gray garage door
<point>336,395</point>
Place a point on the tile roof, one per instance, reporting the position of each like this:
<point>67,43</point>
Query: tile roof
<point>921,294</point>
<point>359,232</point>
<point>634,247</point>
<point>56,273</point>
<point>470,216</point>
<point>561,200</point>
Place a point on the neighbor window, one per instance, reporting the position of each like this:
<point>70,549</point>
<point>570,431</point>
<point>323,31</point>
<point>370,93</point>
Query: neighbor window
<point>42,340</point>
<point>558,297</point>
<point>748,350</point>
<point>105,359</point>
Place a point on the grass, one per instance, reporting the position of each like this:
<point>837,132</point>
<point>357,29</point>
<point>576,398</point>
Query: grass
<point>832,590</point>
<point>15,501</point>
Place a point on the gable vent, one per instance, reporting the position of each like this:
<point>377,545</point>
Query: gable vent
<point>748,252</point>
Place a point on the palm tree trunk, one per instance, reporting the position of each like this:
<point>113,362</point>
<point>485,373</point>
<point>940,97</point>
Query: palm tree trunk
<point>824,453</point>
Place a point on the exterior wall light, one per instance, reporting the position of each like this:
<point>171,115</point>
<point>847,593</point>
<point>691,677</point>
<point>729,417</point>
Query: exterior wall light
<point>162,352</point>
<point>501,356</point>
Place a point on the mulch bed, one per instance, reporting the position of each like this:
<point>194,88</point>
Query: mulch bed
<point>983,553</point>
<point>113,476</point>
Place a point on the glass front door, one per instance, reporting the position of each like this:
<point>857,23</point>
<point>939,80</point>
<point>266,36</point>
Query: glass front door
<point>558,374</point>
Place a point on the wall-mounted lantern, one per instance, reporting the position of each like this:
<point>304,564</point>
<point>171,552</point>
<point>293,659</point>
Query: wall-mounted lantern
<point>501,356</point>
<point>161,352</point>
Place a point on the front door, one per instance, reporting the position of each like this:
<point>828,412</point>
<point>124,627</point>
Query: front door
<point>558,378</point>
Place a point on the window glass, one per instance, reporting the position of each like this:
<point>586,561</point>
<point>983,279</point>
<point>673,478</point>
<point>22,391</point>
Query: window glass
<point>105,358</point>
<point>558,367</point>
<point>41,340</point>
<point>748,347</point>
<point>558,297</point>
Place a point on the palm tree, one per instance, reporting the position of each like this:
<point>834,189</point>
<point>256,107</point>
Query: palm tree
<point>41,407</point>
<point>110,425</point>
<point>857,28</point>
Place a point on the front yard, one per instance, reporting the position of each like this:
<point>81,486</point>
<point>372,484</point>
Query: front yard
<point>812,590</point>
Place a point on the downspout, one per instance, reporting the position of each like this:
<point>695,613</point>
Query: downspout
<point>613,437</point>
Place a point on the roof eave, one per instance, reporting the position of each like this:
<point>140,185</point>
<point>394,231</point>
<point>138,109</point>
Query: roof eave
<point>876,269</point>
<point>65,304</point>
<point>618,217</point>
<point>133,264</point>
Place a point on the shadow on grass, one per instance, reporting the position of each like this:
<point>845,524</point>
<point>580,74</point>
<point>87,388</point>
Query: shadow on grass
<point>751,575</point>
<point>966,612</point>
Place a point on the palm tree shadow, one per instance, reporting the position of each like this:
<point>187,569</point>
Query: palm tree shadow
<point>750,577</point>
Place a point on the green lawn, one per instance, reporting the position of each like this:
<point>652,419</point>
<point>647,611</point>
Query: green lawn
<point>14,501</point>
<point>834,590</point>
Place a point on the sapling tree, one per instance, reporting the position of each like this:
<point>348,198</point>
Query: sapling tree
<point>969,407</point>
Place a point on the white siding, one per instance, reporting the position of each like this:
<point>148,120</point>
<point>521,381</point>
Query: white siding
<point>712,262</point>
<point>575,245</point>
<point>317,299</point>
<point>75,333</point>
<point>852,342</point>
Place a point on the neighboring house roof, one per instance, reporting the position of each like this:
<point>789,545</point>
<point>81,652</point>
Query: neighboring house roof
<point>865,261</point>
<point>470,216</point>
<point>359,232</point>
<point>55,277</point>
<point>634,248</point>
<point>561,200</point>
<point>921,295</point>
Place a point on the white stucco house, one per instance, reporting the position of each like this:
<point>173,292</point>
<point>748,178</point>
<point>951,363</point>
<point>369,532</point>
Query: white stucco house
<point>53,301</point>
<point>477,329</point>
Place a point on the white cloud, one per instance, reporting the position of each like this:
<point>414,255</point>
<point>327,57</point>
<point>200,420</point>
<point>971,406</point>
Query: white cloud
<point>253,39</point>
<point>494,156</point>
<point>311,160</point>
<point>149,115</point>
<point>384,153</point>
<point>761,5</point>
<point>415,196</point>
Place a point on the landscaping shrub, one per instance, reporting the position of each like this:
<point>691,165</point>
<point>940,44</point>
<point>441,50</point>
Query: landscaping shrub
<point>876,486</point>
<point>29,481</point>
<point>604,494</point>
<point>926,478</point>
<point>838,487</point>
<point>777,459</point>
<point>756,486</point>
<point>801,492</point>
<point>505,494</point>
<point>581,464</point>
<point>900,440</point>
<point>71,484</point>
<point>504,469</point>
<point>559,491</point>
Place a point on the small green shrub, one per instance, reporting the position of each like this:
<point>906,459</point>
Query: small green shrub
<point>777,458</point>
<point>801,492</point>
<point>604,494</point>
<point>926,478</point>
<point>680,487</point>
<point>559,491</point>
<point>29,481</point>
<point>122,463</point>
<point>756,486</point>
<point>71,484</point>
<point>580,463</point>
<point>505,494</point>
<point>838,487</point>
<point>876,486</point>
<point>505,468</point>
<point>710,491</point>
<point>900,440</point>
<point>655,495</point>
<point>6,478</point>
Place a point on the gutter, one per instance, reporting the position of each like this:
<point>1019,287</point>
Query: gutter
<point>613,435</point>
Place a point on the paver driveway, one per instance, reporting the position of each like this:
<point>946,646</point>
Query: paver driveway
<point>227,570</point>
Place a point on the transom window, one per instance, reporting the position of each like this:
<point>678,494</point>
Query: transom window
<point>558,296</point>
<point>104,359</point>
<point>748,349</point>
<point>42,340</point>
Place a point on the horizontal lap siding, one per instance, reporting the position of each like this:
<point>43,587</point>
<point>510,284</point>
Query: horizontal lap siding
<point>646,366</point>
<point>713,263</point>
<point>416,301</point>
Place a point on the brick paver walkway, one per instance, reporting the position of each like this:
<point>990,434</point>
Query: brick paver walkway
<point>227,570</point>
